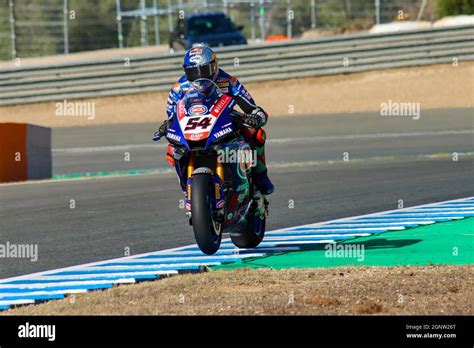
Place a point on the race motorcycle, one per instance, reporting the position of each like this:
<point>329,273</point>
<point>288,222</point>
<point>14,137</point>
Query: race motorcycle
<point>213,163</point>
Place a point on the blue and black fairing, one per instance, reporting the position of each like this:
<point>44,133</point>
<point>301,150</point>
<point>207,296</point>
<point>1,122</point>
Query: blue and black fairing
<point>174,134</point>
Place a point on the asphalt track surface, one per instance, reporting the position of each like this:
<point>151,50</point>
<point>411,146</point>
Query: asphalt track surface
<point>390,158</point>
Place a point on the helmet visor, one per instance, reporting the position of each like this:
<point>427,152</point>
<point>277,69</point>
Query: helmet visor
<point>206,71</point>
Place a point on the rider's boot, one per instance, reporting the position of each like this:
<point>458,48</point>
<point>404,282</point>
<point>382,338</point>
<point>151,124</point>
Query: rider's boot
<point>260,172</point>
<point>256,138</point>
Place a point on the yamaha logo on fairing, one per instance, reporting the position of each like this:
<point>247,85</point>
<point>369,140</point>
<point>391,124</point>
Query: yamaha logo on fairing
<point>222,132</point>
<point>197,110</point>
<point>173,136</point>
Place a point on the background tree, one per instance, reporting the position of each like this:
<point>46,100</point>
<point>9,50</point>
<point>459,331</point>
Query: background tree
<point>455,7</point>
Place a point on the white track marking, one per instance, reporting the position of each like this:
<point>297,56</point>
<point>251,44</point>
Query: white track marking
<point>382,223</point>
<point>16,302</point>
<point>309,236</point>
<point>65,283</point>
<point>42,293</point>
<point>125,275</point>
<point>164,260</point>
<point>462,210</point>
<point>356,229</point>
<point>323,138</point>
<point>161,265</point>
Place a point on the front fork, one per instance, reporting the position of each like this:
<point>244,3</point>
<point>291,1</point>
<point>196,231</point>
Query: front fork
<point>218,180</point>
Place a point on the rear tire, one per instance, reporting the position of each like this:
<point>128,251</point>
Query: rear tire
<point>252,234</point>
<point>208,234</point>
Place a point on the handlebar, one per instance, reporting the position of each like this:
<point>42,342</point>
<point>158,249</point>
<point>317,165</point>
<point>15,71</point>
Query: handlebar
<point>234,114</point>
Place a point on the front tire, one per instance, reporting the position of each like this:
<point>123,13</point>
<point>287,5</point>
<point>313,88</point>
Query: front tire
<point>207,232</point>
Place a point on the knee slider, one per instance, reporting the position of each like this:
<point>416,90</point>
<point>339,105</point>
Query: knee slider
<point>169,155</point>
<point>260,137</point>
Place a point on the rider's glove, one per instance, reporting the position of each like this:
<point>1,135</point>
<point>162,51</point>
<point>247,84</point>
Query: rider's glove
<point>256,119</point>
<point>161,131</point>
<point>163,128</point>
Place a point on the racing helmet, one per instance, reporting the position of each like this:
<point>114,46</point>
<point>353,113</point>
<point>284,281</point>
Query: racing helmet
<point>200,65</point>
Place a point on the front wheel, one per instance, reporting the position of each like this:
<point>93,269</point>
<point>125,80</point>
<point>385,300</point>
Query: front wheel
<point>208,233</point>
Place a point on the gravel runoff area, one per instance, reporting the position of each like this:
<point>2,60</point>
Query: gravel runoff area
<point>437,86</point>
<point>423,290</point>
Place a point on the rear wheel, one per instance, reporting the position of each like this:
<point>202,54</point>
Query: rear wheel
<point>208,233</point>
<point>252,234</point>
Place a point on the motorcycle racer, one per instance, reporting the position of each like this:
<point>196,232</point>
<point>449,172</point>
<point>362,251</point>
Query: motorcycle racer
<point>200,62</point>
